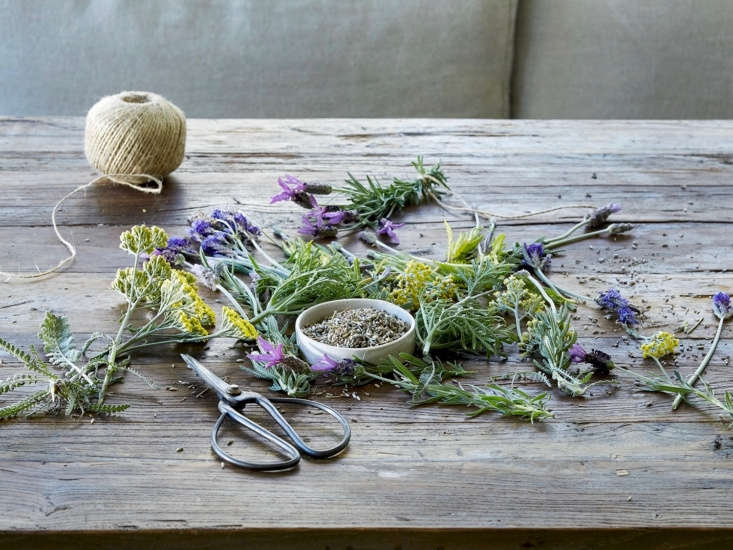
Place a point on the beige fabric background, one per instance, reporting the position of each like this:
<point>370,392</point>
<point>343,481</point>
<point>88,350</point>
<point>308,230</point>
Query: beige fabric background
<point>260,58</point>
<point>624,59</point>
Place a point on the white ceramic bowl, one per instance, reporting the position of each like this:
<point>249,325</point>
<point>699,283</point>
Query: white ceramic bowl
<point>313,350</point>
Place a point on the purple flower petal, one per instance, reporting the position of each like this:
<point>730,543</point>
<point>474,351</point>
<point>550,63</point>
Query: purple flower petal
<point>325,364</point>
<point>577,353</point>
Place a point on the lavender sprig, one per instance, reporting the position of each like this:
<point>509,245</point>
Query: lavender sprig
<point>723,311</point>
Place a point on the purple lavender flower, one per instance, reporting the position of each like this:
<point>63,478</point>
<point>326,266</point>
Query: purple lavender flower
<point>288,193</point>
<point>612,301</point>
<point>214,246</point>
<point>721,305</point>
<point>271,355</point>
<point>534,256</point>
<point>387,227</point>
<point>327,364</point>
<point>599,216</point>
<point>322,221</point>
<point>175,247</point>
<point>200,228</point>
<point>577,353</point>
<point>308,228</point>
<point>330,217</point>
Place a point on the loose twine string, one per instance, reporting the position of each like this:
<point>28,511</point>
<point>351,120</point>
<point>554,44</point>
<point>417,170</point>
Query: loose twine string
<point>115,178</point>
<point>132,139</point>
<point>490,215</point>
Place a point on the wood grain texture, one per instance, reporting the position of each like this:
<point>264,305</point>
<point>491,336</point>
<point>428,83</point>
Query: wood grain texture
<point>412,478</point>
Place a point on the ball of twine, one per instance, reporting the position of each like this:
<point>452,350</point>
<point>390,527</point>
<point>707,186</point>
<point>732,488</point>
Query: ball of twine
<point>132,138</point>
<point>135,137</point>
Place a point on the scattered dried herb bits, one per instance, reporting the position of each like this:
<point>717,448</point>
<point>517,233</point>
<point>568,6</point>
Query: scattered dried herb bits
<point>357,328</point>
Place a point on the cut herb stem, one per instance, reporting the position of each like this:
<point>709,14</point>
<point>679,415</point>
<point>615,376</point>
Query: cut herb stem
<point>692,379</point>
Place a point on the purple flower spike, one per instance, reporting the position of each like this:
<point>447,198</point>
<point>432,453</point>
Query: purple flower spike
<point>612,301</point>
<point>534,256</point>
<point>599,216</point>
<point>325,364</point>
<point>271,354</point>
<point>308,228</point>
<point>721,305</point>
<point>175,247</point>
<point>291,187</point>
<point>577,353</point>
<point>387,227</point>
<point>200,228</point>
<point>214,246</point>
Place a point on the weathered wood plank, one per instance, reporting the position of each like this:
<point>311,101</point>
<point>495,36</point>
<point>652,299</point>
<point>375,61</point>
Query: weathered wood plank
<point>618,459</point>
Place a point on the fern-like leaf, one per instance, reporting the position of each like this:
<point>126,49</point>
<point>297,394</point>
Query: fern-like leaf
<point>25,405</point>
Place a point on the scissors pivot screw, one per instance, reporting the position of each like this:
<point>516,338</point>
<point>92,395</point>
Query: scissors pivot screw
<point>233,389</point>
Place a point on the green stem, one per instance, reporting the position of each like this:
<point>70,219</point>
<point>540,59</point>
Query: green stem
<point>567,233</point>
<point>692,379</point>
<point>541,290</point>
<point>517,322</point>
<point>664,371</point>
<point>569,240</point>
<point>559,290</point>
<point>112,357</point>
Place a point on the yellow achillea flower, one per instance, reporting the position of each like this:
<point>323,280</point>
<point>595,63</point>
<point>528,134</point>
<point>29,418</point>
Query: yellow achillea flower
<point>236,326</point>
<point>188,323</point>
<point>659,345</point>
<point>411,283</point>
<point>444,288</point>
<point>201,310</point>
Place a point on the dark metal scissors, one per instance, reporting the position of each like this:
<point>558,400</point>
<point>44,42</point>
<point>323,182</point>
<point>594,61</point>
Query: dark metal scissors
<point>232,399</point>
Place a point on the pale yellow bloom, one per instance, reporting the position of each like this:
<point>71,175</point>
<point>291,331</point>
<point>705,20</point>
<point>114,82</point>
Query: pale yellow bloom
<point>660,345</point>
<point>236,326</point>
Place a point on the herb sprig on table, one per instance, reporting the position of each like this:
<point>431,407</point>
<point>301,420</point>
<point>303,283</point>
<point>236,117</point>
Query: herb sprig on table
<point>483,298</point>
<point>162,306</point>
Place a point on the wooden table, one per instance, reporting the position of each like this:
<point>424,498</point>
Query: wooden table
<point>611,470</point>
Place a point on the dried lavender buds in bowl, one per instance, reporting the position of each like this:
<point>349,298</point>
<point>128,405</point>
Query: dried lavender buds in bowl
<point>361,328</point>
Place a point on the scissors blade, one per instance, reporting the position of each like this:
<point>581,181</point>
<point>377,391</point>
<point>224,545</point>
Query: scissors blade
<point>226,392</point>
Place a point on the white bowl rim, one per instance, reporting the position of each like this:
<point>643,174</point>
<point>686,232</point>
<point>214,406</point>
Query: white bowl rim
<point>299,329</point>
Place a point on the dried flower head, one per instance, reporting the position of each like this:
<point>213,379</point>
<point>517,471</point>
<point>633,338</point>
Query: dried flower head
<point>143,239</point>
<point>271,354</point>
<point>659,345</point>
<point>613,302</point>
<point>721,305</point>
<point>598,218</point>
<point>236,326</point>
<point>534,256</point>
<point>387,227</point>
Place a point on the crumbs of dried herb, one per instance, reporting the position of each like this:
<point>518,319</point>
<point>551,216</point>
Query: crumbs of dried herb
<point>357,328</point>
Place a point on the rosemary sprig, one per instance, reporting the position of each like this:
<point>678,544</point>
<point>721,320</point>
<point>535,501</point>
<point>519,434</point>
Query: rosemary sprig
<point>677,386</point>
<point>464,325</point>
<point>424,381</point>
<point>373,201</point>
<point>549,338</point>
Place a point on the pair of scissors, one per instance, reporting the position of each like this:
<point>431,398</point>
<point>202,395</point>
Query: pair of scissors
<point>232,399</point>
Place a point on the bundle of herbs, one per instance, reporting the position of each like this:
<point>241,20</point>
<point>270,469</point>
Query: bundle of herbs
<point>484,298</point>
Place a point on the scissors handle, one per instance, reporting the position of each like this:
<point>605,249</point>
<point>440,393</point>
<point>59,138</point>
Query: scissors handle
<point>291,452</point>
<point>267,404</point>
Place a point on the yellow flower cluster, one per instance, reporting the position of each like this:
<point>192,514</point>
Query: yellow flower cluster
<point>236,326</point>
<point>419,279</point>
<point>188,323</point>
<point>142,239</point>
<point>411,283</point>
<point>516,292</point>
<point>201,311</point>
<point>659,345</point>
